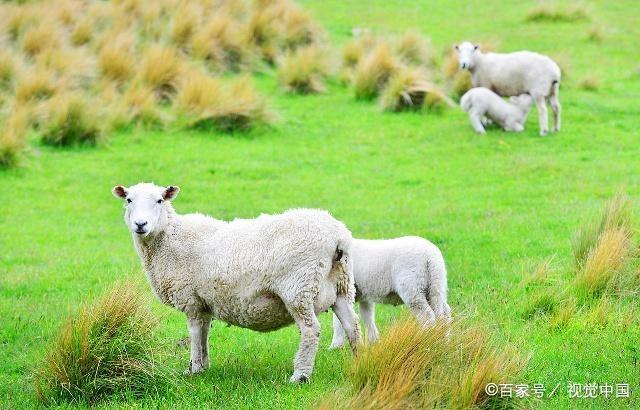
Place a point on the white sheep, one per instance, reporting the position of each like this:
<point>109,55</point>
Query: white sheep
<point>521,72</point>
<point>409,270</point>
<point>260,274</point>
<point>482,104</point>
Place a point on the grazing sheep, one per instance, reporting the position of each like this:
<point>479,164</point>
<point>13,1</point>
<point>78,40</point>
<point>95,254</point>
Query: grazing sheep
<point>522,72</point>
<point>407,270</point>
<point>482,103</point>
<point>260,274</point>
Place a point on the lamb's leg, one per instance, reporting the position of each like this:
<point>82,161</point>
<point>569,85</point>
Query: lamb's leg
<point>343,308</point>
<point>204,336</point>
<point>338,334</point>
<point>195,333</point>
<point>555,106</point>
<point>309,327</point>
<point>417,302</point>
<point>541,105</point>
<point>368,313</point>
<point>476,122</point>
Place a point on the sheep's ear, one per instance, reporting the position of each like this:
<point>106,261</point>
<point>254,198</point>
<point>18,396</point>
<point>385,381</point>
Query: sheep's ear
<point>119,191</point>
<point>475,46</point>
<point>170,192</point>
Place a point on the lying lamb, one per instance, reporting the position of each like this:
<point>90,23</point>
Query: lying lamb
<point>522,72</point>
<point>260,274</point>
<point>407,270</point>
<point>483,103</point>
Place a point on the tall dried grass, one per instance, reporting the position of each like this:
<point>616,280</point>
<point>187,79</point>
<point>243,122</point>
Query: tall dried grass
<point>13,131</point>
<point>414,49</point>
<point>553,12</point>
<point>374,71</point>
<point>438,367</point>
<point>71,119</point>
<point>304,70</point>
<point>107,349</point>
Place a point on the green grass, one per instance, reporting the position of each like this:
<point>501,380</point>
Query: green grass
<point>493,204</point>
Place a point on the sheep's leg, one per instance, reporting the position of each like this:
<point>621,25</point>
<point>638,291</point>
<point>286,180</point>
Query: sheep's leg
<point>204,336</point>
<point>368,313</point>
<point>476,122</point>
<point>309,327</point>
<point>195,333</point>
<point>417,302</point>
<point>338,334</point>
<point>555,106</point>
<point>541,105</point>
<point>343,308</point>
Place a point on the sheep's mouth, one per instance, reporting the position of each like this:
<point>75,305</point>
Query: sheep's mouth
<point>140,231</point>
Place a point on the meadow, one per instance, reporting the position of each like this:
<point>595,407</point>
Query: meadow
<point>498,206</point>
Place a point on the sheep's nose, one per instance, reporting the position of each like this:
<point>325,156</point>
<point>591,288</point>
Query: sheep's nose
<point>140,224</point>
<point>463,66</point>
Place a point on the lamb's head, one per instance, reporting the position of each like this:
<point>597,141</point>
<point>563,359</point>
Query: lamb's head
<point>146,207</point>
<point>467,53</point>
<point>523,102</point>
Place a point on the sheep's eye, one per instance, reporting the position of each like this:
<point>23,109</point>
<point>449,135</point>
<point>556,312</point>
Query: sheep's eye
<point>159,201</point>
<point>128,200</point>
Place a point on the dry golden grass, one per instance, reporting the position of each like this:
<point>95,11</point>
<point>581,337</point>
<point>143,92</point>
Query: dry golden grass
<point>414,49</point>
<point>461,83</point>
<point>82,32</point>
<point>71,119</point>
<point>222,43</point>
<point>13,131</point>
<point>161,68</point>
<point>352,52</point>
<point>139,104</point>
<point>7,69</point>
<point>207,102</point>
<point>563,315</point>
<point>185,23</point>
<point>413,367</point>
<point>304,70</point>
<point>450,64</point>
<point>556,13</point>
<point>299,30</point>
<point>35,85</point>
<point>589,83</point>
<point>408,89</point>
<point>374,71</point>
<point>116,62</point>
<point>40,37</point>
<point>106,350</point>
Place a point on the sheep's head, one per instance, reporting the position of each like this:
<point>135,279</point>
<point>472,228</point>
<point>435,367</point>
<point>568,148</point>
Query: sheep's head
<point>145,206</point>
<point>467,54</point>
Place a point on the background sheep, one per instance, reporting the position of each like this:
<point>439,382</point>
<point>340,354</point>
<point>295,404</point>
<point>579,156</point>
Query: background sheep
<point>514,74</point>
<point>483,103</point>
<point>409,270</point>
<point>260,274</point>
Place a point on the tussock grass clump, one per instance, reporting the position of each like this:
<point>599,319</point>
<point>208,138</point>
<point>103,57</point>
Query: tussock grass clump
<point>107,349</point>
<point>116,62</point>
<point>35,85</point>
<point>139,104</point>
<point>305,70</point>
<point>39,38</point>
<point>461,83</point>
<point>207,102</point>
<point>71,119</point>
<point>185,23</point>
<point>374,71</point>
<point>554,13</point>
<point>413,367</point>
<point>413,49</point>
<point>7,69</point>
<point>13,132</point>
<point>589,83</point>
<point>616,214</point>
<point>82,32</point>
<point>161,69</point>
<point>408,89</point>
<point>222,43</point>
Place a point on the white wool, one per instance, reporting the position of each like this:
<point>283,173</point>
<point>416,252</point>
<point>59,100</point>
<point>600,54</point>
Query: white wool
<point>483,103</point>
<point>520,72</point>
<point>260,274</point>
<point>409,270</point>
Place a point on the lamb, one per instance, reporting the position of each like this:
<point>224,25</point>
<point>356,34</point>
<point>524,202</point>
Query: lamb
<point>260,274</point>
<point>409,270</point>
<point>521,72</point>
<point>483,103</point>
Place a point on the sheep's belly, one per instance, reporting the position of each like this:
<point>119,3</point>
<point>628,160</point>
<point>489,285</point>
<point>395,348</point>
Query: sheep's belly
<point>263,313</point>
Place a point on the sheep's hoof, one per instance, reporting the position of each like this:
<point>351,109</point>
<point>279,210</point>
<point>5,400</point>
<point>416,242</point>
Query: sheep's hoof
<point>299,378</point>
<point>193,370</point>
<point>335,346</point>
<point>543,133</point>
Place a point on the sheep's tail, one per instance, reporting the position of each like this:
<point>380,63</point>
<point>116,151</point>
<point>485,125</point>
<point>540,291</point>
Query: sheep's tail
<point>437,293</point>
<point>343,263</point>
<point>555,87</point>
<point>465,103</point>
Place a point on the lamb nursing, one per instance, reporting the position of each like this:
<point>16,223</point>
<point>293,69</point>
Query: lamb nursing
<point>260,274</point>
<point>512,74</point>
<point>482,104</point>
<point>409,270</point>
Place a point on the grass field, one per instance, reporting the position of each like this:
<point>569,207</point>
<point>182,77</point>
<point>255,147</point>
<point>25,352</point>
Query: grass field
<point>497,205</point>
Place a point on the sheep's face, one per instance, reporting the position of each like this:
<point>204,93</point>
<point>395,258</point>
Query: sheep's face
<point>145,207</point>
<point>466,55</point>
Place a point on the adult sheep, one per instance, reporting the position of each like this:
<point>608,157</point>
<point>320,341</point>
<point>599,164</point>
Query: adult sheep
<point>409,270</point>
<point>512,74</point>
<point>260,274</point>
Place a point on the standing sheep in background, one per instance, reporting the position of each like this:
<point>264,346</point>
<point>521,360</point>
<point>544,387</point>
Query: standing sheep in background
<point>483,103</point>
<point>409,270</point>
<point>260,274</point>
<point>521,72</point>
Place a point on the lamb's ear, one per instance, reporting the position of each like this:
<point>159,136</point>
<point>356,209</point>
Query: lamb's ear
<point>119,191</point>
<point>475,47</point>
<point>170,192</point>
